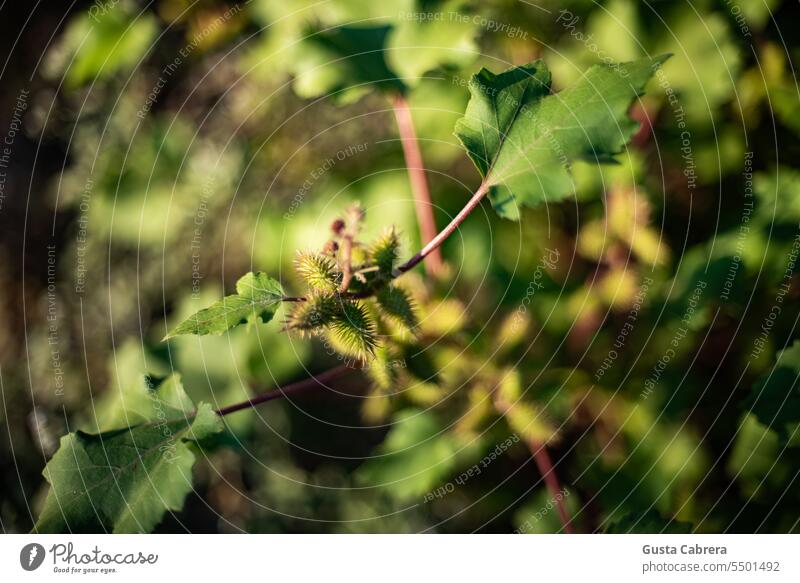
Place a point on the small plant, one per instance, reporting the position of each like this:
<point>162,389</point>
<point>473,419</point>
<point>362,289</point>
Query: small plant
<point>359,301</point>
<point>351,301</point>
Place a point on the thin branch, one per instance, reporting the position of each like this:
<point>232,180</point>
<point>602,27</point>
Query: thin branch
<point>289,390</point>
<point>437,241</point>
<point>426,251</point>
<point>419,182</point>
<point>346,265</point>
<point>545,466</point>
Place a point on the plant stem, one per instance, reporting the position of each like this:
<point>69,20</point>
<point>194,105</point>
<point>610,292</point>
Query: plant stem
<point>436,242</point>
<point>545,466</point>
<point>289,390</point>
<point>426,251</point>
<point>346,265</point>
<point>419,182</point>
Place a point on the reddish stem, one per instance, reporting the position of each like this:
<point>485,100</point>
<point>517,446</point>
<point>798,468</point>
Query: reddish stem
<point>434,243</point>
<point>346,265</point>
<point>419,182</point>
<point>289,390</point>
<point>429,249</point>
<point>545,466</point>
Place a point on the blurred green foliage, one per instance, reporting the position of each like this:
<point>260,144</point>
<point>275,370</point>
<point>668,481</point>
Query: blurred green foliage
<point>644,330</point>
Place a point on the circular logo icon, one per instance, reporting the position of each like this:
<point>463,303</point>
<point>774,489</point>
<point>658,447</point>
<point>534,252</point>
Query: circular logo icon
<point>31,556</point>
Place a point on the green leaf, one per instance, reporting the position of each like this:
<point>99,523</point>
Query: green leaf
<point>706,66</point>
<point>445,37</point>
<point>650,522</point>
<point>344,58</point>
<point>540,516</point>
<point>775,398</point>
<point>523,140</point>
<point>136,403</point>
<point>758,14</point>
<point>280,47</point>
<point>98,45</point>
<point>258,296</point>
<point>752,462</point>
<point>124,480</point>
<point>415,458</point>
<point>778,197</point>
<point>391,50</point>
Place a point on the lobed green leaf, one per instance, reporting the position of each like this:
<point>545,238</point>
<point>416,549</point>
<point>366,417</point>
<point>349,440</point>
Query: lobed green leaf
<point>775,398</point>
<point>523,140</point>
<point>258,297</point>
<point>124,480</point>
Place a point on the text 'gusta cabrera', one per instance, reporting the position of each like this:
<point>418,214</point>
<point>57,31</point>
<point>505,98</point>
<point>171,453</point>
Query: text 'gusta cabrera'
<point>684,550</point>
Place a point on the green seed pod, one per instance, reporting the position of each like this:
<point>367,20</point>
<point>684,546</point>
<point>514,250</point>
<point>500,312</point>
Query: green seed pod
<point>529,422</point>
<point>479,411</point>
<point>510,389</point>
<point>381,369</point>
<point>385,250</point>
<point>352,331</point>
<point>396,306</point>
<point>513,330</point>
<point>423,393</point>
<point>318,271</point>
<point>443,317</point>
<point>318,311</point>
<point>358,255</point>
<point>527,419</point>
<point>377,407</point>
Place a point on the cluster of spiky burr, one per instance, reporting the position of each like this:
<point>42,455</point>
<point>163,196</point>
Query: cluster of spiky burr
<point>351,300</point>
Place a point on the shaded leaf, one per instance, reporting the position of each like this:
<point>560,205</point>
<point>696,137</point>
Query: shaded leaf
<point>104,42</point>
<point>344,58</point>
<point>706,64</point>
<point>540,514</point>
<point>775,398</point>
<point>390,51</point>
<point>140,402</point>
<point>752,460</point>
<point>416,47</point>
<point>416,457</point>
<point>124,480</point>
